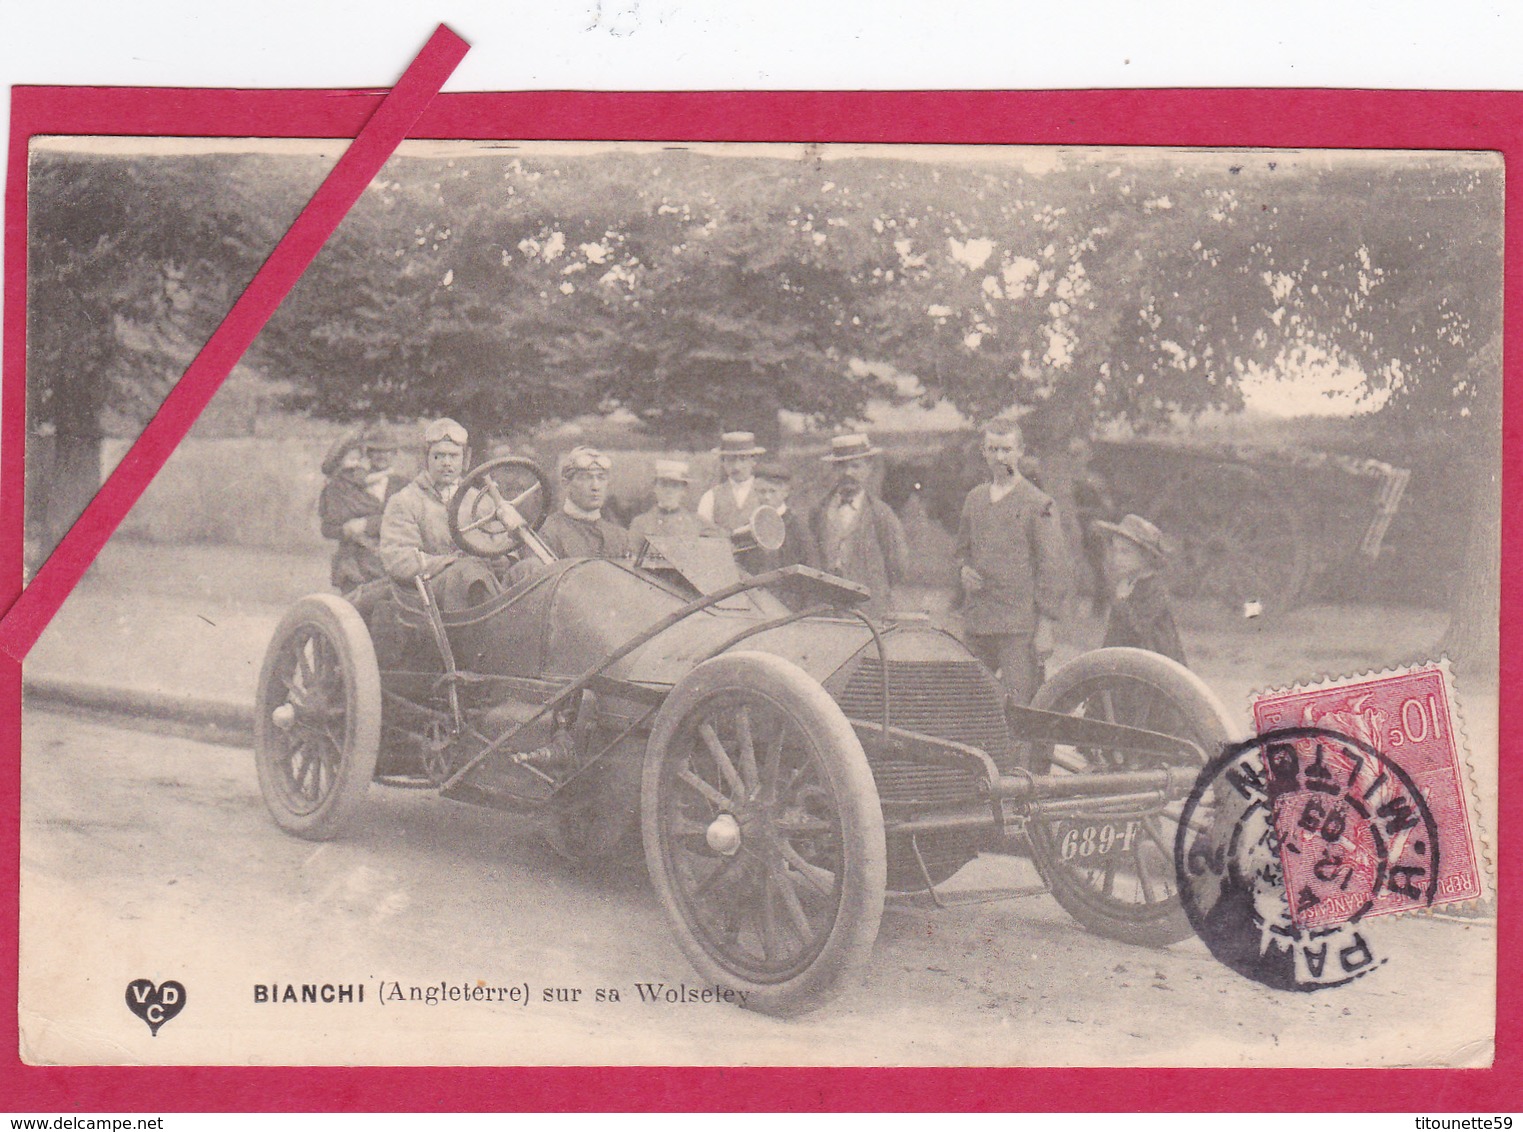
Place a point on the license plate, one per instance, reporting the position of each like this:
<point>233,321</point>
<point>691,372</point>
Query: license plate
<point>1080,842</point>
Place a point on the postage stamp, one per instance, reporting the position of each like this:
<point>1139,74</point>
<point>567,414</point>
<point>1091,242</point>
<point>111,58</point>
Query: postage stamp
<point>1354,817</point>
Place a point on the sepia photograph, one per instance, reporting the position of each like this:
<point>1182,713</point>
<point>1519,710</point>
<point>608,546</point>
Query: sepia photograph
<point>769,604</point>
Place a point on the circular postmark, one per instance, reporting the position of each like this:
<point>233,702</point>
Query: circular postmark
<point>1290,843</point>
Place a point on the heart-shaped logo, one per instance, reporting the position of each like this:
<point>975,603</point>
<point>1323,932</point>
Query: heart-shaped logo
<point>155,1005</point>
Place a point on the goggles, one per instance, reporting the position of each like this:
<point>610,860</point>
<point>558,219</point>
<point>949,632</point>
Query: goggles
<point>584,460</point>
<point>445,429</point>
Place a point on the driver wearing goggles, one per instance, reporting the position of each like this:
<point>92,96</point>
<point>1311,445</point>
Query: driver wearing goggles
<point>415,538</point>
<point>415,534</point>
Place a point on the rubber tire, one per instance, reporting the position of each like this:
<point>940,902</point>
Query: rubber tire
<point>1212,727</point>
<point>341,624</point>
<point>859,913</point>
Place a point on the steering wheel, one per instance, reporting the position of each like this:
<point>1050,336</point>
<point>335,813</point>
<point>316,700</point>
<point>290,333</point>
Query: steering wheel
<point>477,509</point>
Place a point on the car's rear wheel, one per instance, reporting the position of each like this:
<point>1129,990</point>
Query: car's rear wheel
<point>317,717</point>
<point>1112,866</point>
<point>763,832</point>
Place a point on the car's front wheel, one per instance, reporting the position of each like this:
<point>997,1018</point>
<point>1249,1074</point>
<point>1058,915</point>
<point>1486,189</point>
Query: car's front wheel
<point>763,832</point>
<point>317,717</point>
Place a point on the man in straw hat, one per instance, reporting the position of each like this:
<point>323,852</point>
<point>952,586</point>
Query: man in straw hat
<point>858,535</point>
<point>1140,617</point>
<point>1013,567</point>
<point>670,518</point>
<point>580,529</point>
<point>728,505</point>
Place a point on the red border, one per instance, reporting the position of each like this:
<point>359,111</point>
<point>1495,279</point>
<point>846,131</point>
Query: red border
<point>1299,118</point>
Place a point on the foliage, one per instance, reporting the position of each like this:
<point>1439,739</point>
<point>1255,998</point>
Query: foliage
<point>1137,287</point>
<point>131,265</point>
<point>698,291</point>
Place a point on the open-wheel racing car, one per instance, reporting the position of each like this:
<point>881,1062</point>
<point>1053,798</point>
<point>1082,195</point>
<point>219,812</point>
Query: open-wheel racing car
<point>786,759</point>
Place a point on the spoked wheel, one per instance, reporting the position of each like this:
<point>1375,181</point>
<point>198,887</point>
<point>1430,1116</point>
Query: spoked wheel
<point>476,520</point>
<point>1111,865</point>
<point>317,719</point>
<point>1238,539</point>
<point>763,832</point>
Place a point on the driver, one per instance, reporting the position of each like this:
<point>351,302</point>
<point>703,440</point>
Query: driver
<point>580,529</point>
<point>415,535</point>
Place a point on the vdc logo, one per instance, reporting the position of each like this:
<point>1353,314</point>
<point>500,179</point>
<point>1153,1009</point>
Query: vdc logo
<point>155,1005</point>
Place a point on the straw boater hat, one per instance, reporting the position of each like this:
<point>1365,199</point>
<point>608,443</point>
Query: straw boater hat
<point>343,445</point>
<point>850,446</point>
<point>672,471</point>
<point>739,444</point>
<point>1136,529</point>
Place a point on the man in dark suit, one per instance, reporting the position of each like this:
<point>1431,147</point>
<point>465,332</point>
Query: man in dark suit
<point>1014,567</point>
<point>858,535</point>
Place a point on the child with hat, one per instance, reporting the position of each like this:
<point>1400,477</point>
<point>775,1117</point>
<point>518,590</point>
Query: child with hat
<point>774,482</point>
<point>1140,617</point>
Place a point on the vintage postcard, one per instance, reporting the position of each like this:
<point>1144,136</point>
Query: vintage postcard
<point>770,604</point>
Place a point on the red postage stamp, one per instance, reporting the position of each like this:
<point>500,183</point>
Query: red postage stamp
<point>1352,829</point>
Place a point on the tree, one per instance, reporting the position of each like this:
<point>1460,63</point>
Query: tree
<point>131,264</point>
<point>700,291</point>
<point>1140,288</point>
<point>693,293</point>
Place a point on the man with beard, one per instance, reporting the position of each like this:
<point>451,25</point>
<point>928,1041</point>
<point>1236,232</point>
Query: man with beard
<point>858,535</point>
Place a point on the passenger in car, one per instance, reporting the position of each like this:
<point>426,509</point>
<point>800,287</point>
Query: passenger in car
<point>351,515</point>
<point>580,529</point>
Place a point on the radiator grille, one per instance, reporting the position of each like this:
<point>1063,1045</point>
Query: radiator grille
<point>957,700</point>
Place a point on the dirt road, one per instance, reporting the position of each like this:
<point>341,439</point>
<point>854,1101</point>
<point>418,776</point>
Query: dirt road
<point>150,856</point>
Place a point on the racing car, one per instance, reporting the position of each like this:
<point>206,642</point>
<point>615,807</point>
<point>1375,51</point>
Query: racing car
<point>785,760</point>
